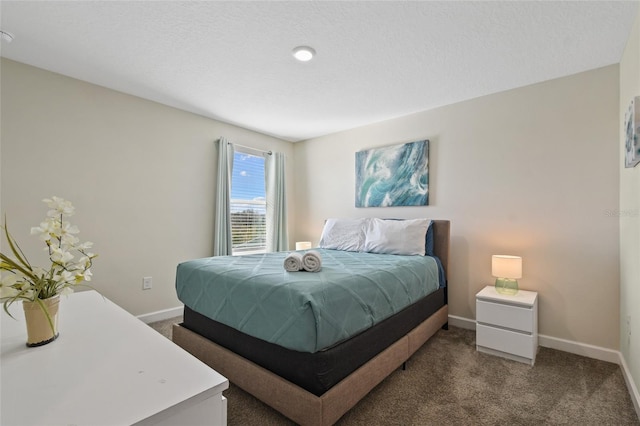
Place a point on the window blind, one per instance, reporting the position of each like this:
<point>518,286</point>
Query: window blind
<point>248,204</point>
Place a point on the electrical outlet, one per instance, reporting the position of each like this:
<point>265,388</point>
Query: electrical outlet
<point>147,283</point>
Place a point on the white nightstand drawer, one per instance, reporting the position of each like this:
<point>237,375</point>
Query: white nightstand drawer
<point>509,316</point>
<point>508,341</point>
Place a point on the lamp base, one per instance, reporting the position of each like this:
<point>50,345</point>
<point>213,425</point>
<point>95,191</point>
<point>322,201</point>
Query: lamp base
<point>507,286</point>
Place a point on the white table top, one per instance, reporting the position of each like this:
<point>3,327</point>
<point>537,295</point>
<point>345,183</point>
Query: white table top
<point>522,297</point>
<point>106,368</point>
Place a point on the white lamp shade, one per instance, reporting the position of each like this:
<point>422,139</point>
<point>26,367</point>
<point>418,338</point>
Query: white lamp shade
<point>303,245</point>
<point>503,266</point>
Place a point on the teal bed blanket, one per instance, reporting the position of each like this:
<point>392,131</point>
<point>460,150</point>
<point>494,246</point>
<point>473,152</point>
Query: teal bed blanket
<point>305,311</point>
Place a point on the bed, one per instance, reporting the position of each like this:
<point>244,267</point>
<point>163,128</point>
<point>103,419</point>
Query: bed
<point>313,381</point>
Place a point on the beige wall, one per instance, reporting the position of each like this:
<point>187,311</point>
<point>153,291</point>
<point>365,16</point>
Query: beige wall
<point>630,215</point>
<point>530,172</point>
<point>140,174</point>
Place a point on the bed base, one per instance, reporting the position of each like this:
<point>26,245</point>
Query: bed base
<point>291,400</point>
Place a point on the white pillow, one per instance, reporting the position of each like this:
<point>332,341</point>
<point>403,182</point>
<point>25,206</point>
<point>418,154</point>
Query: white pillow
<point>343,234</point>
<point>405,237</point>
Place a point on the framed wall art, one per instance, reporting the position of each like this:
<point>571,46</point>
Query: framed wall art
<point>632,133</point>
<point>396,175</point>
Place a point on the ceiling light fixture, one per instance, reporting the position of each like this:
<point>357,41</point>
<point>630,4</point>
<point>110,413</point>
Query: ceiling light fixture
<point>304,53</point>
<point>6,36</point>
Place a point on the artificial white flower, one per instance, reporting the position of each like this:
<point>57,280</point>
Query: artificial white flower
<point>70,261</point>
<point>8,280</point>
<point>60,256</point>
<point>66,291</point>
<point>69,241</point>
<point>59,206</point>
<point>84,246</point>
<point>68,229</point>
<point>66,277</point>
<point>46,230</point>
<point>8,292</point>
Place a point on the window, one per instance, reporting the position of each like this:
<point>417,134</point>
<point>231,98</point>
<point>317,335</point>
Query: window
<point>248,203</point>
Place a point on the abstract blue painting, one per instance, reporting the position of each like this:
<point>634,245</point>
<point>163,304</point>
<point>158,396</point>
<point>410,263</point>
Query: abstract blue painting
<point>632,136</point>
<point>395,175</point>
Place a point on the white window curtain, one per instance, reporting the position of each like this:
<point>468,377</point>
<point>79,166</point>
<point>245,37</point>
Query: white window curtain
<point>277,238</point>
<point>222,241</point>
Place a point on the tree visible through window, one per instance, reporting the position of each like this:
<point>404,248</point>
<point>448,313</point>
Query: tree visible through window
<point>248,204</point>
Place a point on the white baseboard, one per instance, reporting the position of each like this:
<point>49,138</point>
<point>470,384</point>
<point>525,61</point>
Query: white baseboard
<point>633,390</point>
<point>584,349</point>
<point>590,351</point>
<point>466,323</point>
<point>161,315</point>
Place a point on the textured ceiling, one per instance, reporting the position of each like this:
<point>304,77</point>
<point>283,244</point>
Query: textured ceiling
<point>375,60</point>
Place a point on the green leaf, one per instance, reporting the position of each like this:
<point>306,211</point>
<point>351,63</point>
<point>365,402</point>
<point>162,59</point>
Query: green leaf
<point>15,248</point>
<point>13,265</point>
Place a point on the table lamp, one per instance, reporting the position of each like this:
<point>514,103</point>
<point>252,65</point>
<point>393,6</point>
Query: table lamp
<point>303,245</point>
<point>506,269</point>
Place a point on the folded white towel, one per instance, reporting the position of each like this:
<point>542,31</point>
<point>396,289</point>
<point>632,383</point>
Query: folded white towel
<point>293,262</point>
<point>311,261</point>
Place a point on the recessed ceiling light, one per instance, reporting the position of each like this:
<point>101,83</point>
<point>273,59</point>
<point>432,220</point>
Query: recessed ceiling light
<point>303,53</point>
<point>6,36</point>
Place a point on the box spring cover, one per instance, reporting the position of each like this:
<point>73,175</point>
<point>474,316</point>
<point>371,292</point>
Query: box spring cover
<point>318,372</point>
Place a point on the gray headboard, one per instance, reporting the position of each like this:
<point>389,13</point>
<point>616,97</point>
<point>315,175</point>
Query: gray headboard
<point>441,242</point>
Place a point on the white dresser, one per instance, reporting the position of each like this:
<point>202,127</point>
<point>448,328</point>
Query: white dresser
<point>507,325</point>
<point>106,368</point>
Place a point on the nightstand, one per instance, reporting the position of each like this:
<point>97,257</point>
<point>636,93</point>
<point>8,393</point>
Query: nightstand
<point>507,325</point>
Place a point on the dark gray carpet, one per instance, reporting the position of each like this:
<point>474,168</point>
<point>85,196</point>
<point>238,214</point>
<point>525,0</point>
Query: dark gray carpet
<point>448,383</point>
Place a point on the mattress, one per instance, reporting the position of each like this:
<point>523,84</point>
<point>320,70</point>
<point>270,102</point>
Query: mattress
<point>303,311</point>
<point>320,371</point>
